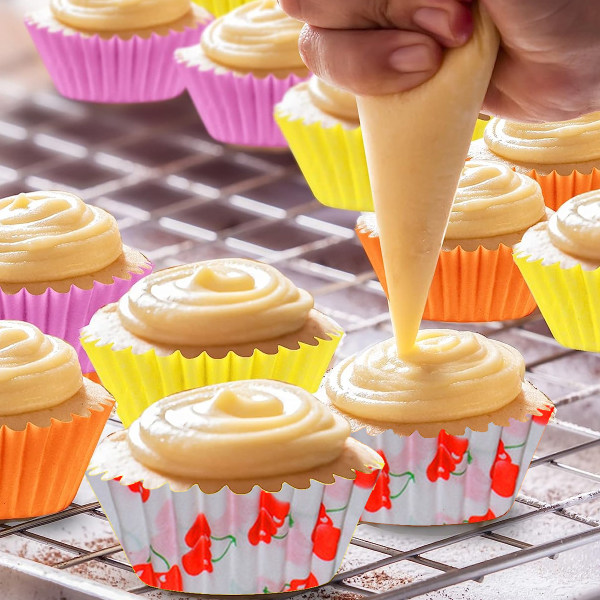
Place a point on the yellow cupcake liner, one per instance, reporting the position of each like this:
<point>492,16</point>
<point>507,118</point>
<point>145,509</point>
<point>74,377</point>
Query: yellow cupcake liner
<point>138,380</point>
<point>569,300</point>
<point>332,160</point>
<point>479,127</point>
<point>218,8</point>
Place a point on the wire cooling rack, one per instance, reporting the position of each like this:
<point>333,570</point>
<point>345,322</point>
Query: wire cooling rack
<point>180,197</point>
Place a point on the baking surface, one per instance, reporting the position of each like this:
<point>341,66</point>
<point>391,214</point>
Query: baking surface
<point>180,197</point>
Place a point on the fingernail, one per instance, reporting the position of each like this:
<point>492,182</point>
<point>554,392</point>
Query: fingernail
<point>411,59</point>
<point>434,20</point>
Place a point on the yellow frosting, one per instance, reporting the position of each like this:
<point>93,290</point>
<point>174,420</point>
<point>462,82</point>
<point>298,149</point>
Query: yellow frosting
<point>577,140</point>
<point>448,375</point>
<point>491,199</point>
<point>51,235</point>
<point>257,35</point>
<point>575,227</point>
<point>216,302</point>
<point>237,430</point>
<point>37,371</point>
<point>333,100</point>
<point>118,15</point>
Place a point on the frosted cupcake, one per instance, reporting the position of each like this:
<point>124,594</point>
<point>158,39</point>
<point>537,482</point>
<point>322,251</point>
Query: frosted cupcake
<point>50,421</point>
<point>249,487</point>
<point>454,421</point>
<point>563,157</point>
<point>243,66</point>
<point>204,323</point>
<point>475,277</point>
<point>560,261</point>
<point>115,51</point>
<point>60,261</point>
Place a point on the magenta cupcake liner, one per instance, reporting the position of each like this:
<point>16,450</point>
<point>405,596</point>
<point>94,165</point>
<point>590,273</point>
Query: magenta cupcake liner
<point>238,109</point>
<point>63,314</point>
<point>113,70</point>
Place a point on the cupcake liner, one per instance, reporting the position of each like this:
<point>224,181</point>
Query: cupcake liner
<point>114,70</point>
<point>218,8</point>
<point>34,479</point>
<point>63,314</point>
<point>569,300</point>
<point>557,189</point>
<point>237,109</point>
<point>479,128</point>
<point>227,543</point>
<point>138,380</point>
<point>467,286</point>
<point>451,479</point>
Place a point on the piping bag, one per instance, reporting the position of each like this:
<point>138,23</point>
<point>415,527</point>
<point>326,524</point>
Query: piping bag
<point>416,143</point>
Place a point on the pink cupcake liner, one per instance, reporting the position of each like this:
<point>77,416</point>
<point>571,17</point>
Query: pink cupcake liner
<point>238,110</point>
<point>451,479</point>
<point>113,70</point>
<point>228,543</point>
<point>63,314</point>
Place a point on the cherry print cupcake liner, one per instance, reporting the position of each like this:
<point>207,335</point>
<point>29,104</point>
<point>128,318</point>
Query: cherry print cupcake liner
<point>227,543</point>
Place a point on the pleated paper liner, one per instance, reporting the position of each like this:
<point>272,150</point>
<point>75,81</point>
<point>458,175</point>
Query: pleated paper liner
<point>569,300</point>
<point>456,472</point>
<point>218,8</point>
<point>557,189</point>
<point>63,314</point>
<point>224,542</point>
<point>41,467</point>
<point>91,68</point>
<point>467,286</point>
<point>138,380</point>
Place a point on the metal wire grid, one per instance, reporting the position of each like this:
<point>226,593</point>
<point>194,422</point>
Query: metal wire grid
<point>179,196</point>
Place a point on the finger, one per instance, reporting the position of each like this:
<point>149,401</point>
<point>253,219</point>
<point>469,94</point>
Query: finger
<point>449,21</point>
<point>396,60</point>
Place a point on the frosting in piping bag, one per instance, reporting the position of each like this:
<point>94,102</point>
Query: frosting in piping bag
<point>44,235</point>
<point>237,430</point>
<point>37,371</point>
<point>448,375</point>
<point>216,302</point>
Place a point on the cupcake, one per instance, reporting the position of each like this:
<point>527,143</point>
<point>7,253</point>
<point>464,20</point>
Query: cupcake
<point>475,277</point>
<point>50,422</point>
<point>203,323</point>
<point>218,8</point>
<point>454,422</point>
<point>243,65</point>
<point>563,157</point>
<point>60,261</point>
<point>248,487</point>
<point>115,51</point>
<point>560,261</point>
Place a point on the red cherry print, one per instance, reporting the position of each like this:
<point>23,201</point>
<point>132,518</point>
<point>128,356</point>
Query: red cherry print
<point>198,538</point>
<point>450,452</point>
<point>544,417</point>
<point>504,473</point>
<point>380,496</point>
<point>366,480</point>
<point>304,584</point>
<point>200,529</point>
<point>489,515</point>
<point>325,537</point>
<point>145,571</point>
<point>170,580</point>
<point>276,508</point>
<point>137,488</point>
<point>272,514</point>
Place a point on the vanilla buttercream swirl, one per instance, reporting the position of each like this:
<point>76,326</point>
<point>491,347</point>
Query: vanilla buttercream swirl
<point>491,199</point>
<point>118,15</point>
<point>577,140</point>
<point>237,430</point>
<point>333,100</point>
<point>54,235</point>
<point>256,36</point>
<point>575,227</point>
<point>37,371</point>
<point>214,303</point>
<point>449,375</point>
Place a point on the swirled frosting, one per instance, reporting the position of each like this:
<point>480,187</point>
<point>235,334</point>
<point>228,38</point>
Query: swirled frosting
<point>491,199</point>
<point>37,371</point>
<point>577,140</point>
<point>332,100</point>
<point>46,235</point>
<point>118,15</point>
<point>237,430</point>
<point>448,375</point>
<point>216,302</point>
<point>257,35</point>
<point>575,227</point>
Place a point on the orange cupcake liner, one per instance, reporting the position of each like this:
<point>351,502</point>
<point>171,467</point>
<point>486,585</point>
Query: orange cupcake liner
<point>557,189</point>
<point>479,285</point>
<point>41,468</point>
